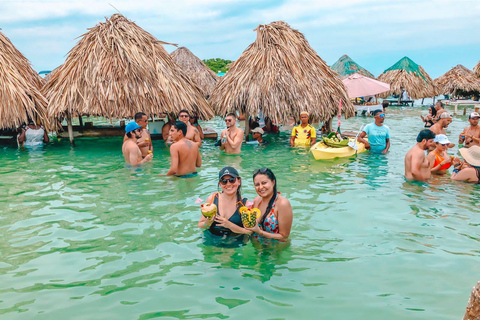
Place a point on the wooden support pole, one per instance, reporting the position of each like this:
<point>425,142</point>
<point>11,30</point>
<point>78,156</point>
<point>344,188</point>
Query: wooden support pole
<point>247,124</point>
<point>80,120</point>
<point>70,131</point>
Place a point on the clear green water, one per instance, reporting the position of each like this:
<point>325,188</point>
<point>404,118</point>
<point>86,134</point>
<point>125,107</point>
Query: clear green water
<point>85,237</point>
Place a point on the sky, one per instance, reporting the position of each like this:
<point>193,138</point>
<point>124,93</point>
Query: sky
<point>436,34</point>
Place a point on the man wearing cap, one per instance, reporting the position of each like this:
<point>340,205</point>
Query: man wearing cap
<point>232,137</point>
<point>378,134</point>
<point>304,134</point>
<point>439,160</point>
<point>417,166</point>
<point>257,137</point>
<point>131,151</point>
<point>145,142</point>
<point>471,135</point>
<point>443,121</point>
<point>185,155</point>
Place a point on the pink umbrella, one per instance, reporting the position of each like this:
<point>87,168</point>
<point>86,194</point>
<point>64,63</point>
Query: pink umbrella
<point>360,86</point>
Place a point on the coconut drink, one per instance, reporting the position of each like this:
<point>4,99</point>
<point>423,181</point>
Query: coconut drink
<point>208,210</point>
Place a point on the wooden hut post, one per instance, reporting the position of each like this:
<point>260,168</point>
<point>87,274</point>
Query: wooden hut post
<point>70,130</point>
<point>247,124</point>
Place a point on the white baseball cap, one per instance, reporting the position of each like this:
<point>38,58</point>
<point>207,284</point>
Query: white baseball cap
<point>474,115</point>
<point>445,115</point>
<point>442,139</point>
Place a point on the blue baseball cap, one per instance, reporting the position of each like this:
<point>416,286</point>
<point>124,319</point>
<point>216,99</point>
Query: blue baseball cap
<point>131,126</point>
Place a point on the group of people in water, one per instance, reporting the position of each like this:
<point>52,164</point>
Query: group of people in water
<point>430,154</point>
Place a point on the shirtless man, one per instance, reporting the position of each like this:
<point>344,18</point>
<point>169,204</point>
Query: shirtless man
<point>185,153</point>
<point>417,167</point>
<point>145,142</point>
<point>440,110</point>
<point>166,129</point>
<point>471,135</point>
<point>232,137</point>
<point>131,151</point>
<point>192,132</point>
<point>443,121</point>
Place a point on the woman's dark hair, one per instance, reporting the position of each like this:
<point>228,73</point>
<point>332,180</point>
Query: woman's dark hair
<point>434,111</point>
<point>272,178</point>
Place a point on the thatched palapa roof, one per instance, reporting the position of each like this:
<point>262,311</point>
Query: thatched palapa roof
<point>117,69</point>
<point>456,79</point>
<point>20,94</point>
<point>281,75</point>
<point>409,75</point>
<point>202,75</point>
<point>345,66</point>
<point>476,69</point>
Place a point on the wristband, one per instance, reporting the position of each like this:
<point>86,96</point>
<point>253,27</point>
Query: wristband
<point>207,227</point>
<point>455,170</point>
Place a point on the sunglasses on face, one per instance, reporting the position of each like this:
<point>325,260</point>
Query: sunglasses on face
<point>262,171</point>
<point>228,120</point>
<point>225,181</point>
<point>382,115</point>
<point>184,116</point>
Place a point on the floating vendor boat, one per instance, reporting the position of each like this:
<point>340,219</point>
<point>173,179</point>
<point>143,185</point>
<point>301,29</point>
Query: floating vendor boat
<point>322,150</point>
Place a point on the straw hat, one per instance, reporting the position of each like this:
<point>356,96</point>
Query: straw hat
<point>471,155</point>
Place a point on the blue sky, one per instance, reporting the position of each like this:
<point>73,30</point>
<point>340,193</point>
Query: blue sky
<point>437,34</point>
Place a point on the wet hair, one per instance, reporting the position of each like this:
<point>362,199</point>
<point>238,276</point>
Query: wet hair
<point>375,112</point>
<point>231,114</point>
<point>385,104</point>
<point>425,134</point>
<point>139,115</point>
<point>434,111</point>
<point>179,125</point>
<point>184,111</point>
<point>271,176</point>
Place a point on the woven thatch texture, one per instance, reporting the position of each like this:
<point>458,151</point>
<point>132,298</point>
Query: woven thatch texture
<point>476,69</point>
<point>457,78</point>
<point>409,75</point>
<point>118,69</point>
<point>345,66</point>
<point>20,94</point>
<point>473,307</point>
<point>281,75</point>
<point>202,75</point>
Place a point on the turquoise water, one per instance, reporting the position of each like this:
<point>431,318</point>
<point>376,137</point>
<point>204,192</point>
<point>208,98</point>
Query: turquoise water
<point>85,237</point>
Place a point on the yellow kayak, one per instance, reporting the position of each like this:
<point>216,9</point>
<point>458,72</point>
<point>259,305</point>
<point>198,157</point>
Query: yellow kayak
<point>321,151</point>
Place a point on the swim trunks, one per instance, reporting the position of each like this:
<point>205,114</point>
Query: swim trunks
<point>188,175</point>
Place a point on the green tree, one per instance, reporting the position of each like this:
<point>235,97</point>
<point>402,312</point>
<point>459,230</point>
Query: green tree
<point>218,64</point>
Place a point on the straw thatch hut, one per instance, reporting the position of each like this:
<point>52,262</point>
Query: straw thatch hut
<point>281,75</point>
<point>345,66</point>
<point>20,94</point>
<point>409,75</point>
<point>202,75</point>
<point>457,79</point>
<point>476,69</point>
<point>117,69</point>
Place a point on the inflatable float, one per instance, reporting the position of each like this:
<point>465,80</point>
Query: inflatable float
<point>321,151</point>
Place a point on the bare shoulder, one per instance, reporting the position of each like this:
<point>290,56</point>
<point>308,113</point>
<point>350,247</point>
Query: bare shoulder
<point>210,198</point>
<point>282,201</point>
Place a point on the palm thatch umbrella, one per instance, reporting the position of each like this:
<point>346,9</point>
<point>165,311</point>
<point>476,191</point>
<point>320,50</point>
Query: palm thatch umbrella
<point>409,75</point>
<point>21,98</point>
<point>345,66</point>
<point>457,79</point>
<point>118,69</point>
<point>281,75</point>
<point>202,75</point>
<point>476,69</point>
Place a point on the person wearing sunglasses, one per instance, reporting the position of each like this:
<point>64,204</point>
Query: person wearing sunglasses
<point>275,222</point>
<point>192,132</point>
<point>145,141</point>
<point>227,223</point>
<point>378,134</point>
<point>231,138</point>
<point>131,151</point>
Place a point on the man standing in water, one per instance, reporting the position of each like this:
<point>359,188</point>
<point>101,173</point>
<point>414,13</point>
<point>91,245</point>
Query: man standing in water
<point>417,166</point>
<point>471,135</point>
<point>131,151</point>
<point>378,134</point>
<point>444,120</point>
<point>145,142</point>
<point>192,132</point>
<point>185,155</point>
<point>232,137</point>
<point>439,108</point>
<point>303,135</point>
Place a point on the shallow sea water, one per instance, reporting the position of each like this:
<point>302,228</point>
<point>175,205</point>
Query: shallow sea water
<point>85,237</point>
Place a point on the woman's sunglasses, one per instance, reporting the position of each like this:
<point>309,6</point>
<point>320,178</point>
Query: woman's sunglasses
<point>225,181</point>
<point>262,171</point>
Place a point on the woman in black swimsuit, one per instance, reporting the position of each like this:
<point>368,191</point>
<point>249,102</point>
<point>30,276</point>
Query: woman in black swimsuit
<point>429,120</point>
<point>227,223</point>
